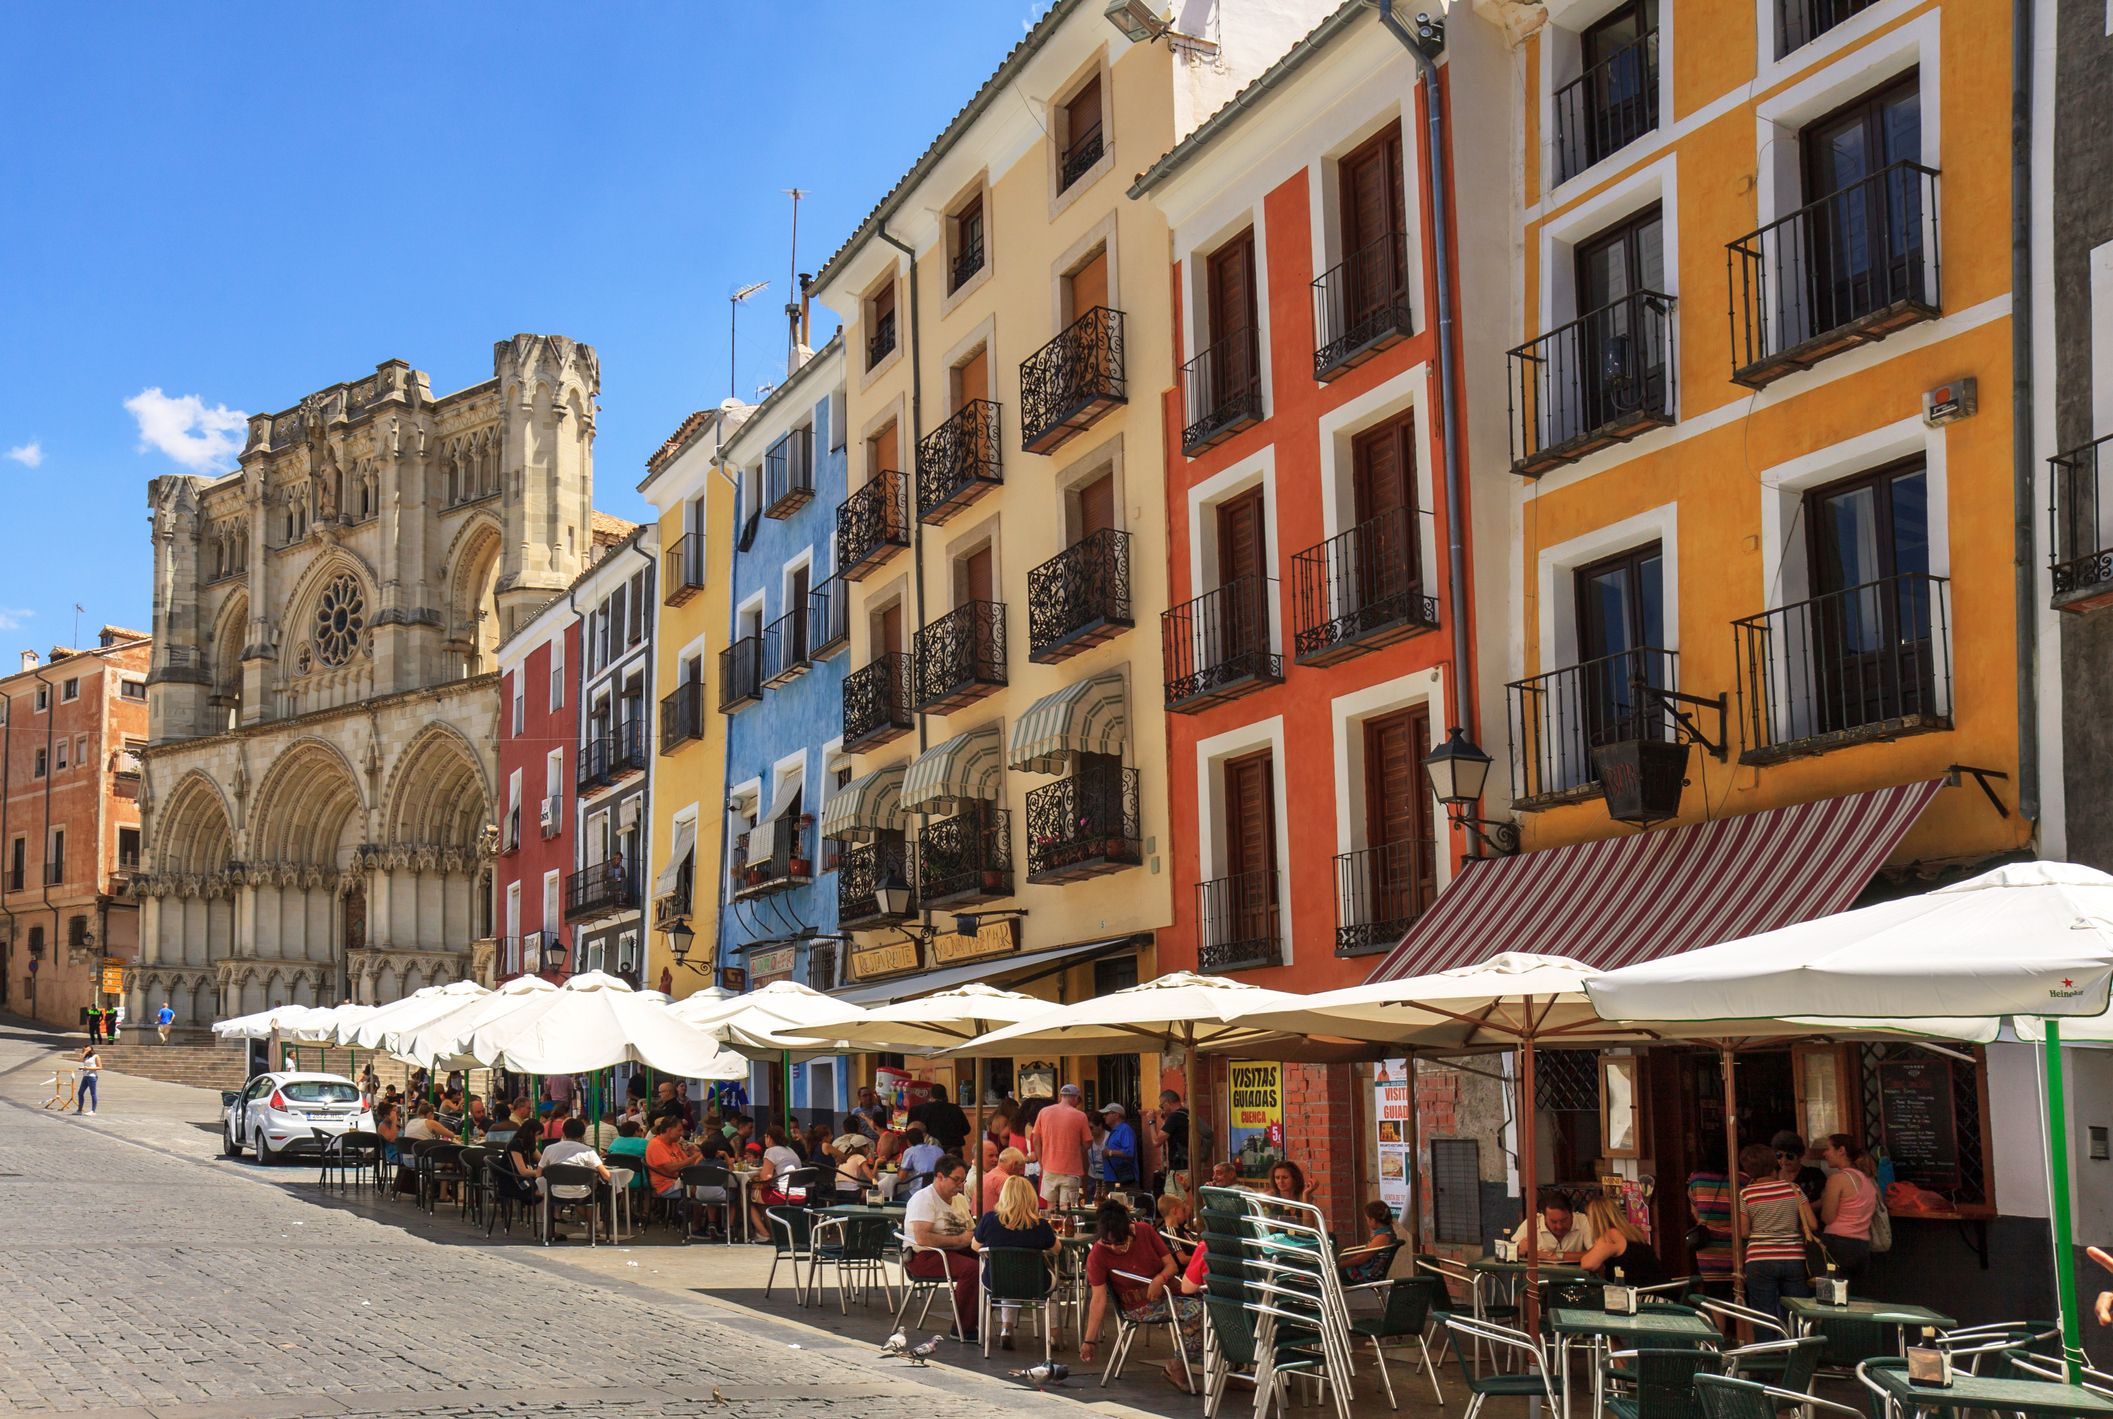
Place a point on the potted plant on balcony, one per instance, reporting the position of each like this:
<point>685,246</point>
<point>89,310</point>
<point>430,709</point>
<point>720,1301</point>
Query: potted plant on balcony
<point>799,867</point>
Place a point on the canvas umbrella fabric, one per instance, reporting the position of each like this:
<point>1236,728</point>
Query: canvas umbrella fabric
<point>592,1022</point>
<point>379,1030</point>
<point>2030,939</point>
<point>762,1022</point>
<point>436,1044</point>
<point>263,1024</point>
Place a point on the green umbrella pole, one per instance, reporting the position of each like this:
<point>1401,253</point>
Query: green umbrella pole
<point>2058,1195</point>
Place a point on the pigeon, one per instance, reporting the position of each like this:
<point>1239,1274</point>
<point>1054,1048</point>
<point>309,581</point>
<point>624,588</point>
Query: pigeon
<point>923,1353</point>
<point>897,1344</point>
<point>1040,1375</point>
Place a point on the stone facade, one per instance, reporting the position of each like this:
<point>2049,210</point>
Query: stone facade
<point>317,793</point>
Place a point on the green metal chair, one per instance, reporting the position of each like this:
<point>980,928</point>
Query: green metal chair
<point>1018,1277</point>
<point>792,1240</point>
<point>1785,1364</point>
<point>1986,1349</point>
<point>1540,1382</point>
<point>1723,1397</point>
<point>1229,1345</point>
<point>858,1248</point>
<point>914,1285</point>
<point>1406,1316</point>
<point>1851,1340</point>
<point>1662,1383</point>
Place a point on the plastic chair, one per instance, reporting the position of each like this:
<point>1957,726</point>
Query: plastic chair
<point>1540,1382</point>
<point>353,1151</point>
<point>792,1239</point>
<point>1019,1277</point>
<point>557,1175</point>
<point>858,1248</point>
<point>1723,1397</point>
<point>1406,1316</point>
<point>1664,1382</point>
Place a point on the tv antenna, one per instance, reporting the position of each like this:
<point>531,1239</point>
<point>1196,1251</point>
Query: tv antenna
<point>733,322</point>
<point>792,276</point>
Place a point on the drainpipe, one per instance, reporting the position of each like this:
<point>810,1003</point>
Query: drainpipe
<point>51,721</point>
<point>1455,482</point>
<point>7,764</point>
<point>2025,560</point>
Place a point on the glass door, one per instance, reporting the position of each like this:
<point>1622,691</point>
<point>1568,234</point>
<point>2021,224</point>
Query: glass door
<point>1865,235</point>
<point>1871,614</point>
<point>1620,627</point>
<point>1619,351</point>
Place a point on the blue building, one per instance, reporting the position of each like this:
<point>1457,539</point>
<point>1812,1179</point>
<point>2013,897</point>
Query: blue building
<point>780,686</point>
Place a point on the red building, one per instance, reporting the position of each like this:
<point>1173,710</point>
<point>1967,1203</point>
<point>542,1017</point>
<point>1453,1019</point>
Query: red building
<point>538,744</point>
<point>1311,655</point>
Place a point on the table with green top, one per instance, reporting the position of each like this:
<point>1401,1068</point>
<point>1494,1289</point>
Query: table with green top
<point>1489,1270</point>
<point>1652,1328</point>
<point>1807,1311</point>
<point>2045,1397</point>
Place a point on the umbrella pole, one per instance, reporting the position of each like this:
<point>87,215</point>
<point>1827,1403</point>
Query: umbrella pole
<point>1410,1166</point>
<point>2058,1197</point>
<point>1731,1174</point>
<point>1529,1183</point>
<point>1192,1070</point>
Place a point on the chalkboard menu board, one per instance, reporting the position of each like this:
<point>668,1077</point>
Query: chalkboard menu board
<point>1915,1113</point>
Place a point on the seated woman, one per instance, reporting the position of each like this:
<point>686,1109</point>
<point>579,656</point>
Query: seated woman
<point>1015,1222</point>
<point>1132,1262</point>
<point>1370,1261</point>
<point>853,1172</point>
<point>766,1188</point>
<point>388,1122</point>
<point>1620,1254</point>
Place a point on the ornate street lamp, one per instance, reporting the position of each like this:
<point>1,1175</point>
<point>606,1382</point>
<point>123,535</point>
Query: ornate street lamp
<point>1458,770</point>
<point>892,894</point>
<point>680,938</point>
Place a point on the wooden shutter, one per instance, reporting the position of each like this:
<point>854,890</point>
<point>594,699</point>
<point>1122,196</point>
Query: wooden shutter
<point>1380,462</point>
<point>1250,815</point>
<point>1083,113</point>
<point>1231,274</point>
<point>1398,811</point>
<point>883,304</point>
<point>975,378</point>
<point>1089,285</point>
<point>881,452</point>
<point>1240,537</point>
<point>1097,506</point>
<point>891,630</point>
<point>976,576</point>
<point>1372,198</point>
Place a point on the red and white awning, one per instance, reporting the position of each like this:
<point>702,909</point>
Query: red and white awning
<point>1622,900</point>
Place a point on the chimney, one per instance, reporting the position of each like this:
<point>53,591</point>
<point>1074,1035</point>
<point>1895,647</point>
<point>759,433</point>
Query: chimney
<point>29,660</point>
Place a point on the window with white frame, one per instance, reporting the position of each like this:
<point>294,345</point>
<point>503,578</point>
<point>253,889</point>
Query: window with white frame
<point>557,673</point>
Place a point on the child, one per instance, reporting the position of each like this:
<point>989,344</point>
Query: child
<point>1370,1261</point>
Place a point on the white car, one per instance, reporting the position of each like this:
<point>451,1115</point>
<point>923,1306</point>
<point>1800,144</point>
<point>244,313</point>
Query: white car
<point>278,1114</point>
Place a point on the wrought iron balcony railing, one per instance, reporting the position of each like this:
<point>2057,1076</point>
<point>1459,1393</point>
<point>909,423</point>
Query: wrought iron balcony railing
<point>958,462</point>
<point>1217,647</point>
<point>1360,590</point>
<point>1844,271</point>
<point>877,700</point>
<point>1867,663</point>
<point>788,474</point>
<point>788,864</point>
<point>1068,384</point>
<point>1083,826</point>
<point>1084,152</point>
<point>829,618</point>
<point>881,343</point>
<point>614,756</point>
<point>682,716</point>
<point>1559,718</point>
<point>1236,919</point>
<point>1362,307</point>
<point>2080,528</point>
<point>1606,108</point>
<point>863,867</point>
<point>741,674</point>
<point>1080,597</point>
<point>1602,379</point>
<point>961,657</point>
<point>682,569</point>
<point>967,262</point>
<point>531,953</point>
<point>601,890</point>
<point>1222,390</point>
<point>785,655</point>
<point>965,859</point>
<point>1379,893</point>
<point>1799,22</point>
<point>872,525</point>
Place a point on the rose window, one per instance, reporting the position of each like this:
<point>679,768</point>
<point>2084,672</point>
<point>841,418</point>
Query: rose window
<point>339,617</point>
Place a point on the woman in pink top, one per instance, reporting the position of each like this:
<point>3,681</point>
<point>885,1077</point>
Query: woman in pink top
<point>1846,1205</point>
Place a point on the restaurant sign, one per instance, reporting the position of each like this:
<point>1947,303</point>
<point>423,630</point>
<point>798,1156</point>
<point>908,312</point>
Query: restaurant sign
<point>992,938</point>
<point>892,959</point>
<point>774,964</point>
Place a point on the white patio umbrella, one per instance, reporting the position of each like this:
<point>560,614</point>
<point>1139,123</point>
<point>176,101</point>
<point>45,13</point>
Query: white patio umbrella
<point>762,1023</point>
<point>322,1025</point>
<point>263,1024</point>
<point>592,1022</point>
<point>379,1030</point>
<point>436,1044</point>
<point>2029,939</point>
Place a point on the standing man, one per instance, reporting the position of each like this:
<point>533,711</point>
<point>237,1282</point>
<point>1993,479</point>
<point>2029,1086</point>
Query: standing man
<point>943,1121</point>
<point>1119,1148</point>
<point>1168,1129</point>
<point>872,1115</point>
<point>1061,1137</point>
<point>86,1096</point>
<point>165,1017</point>
<point>943,1232</point>
<point>95,1020</point>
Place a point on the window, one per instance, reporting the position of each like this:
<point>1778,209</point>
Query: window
<point>1084,142</point>
<point>1868,239</point>
<point>553,772</point>
<point>968,243</point>
<point>80,750</point>
<point>55,859</point>
<point>1868,541</point>
<point>520,710</point>
<point>132,689</point>
<point>60,761</point>
<point>1238,911</point>
<point>1623,356</point>
<point>18,864</point>
<point>627,954</point>
<point>43,698</point>
<point>1399,830</point>
<point>38,768</point>
<point>1620,636</point>
<point>637,629</point>
<point>1614,100</point>
<point>70,689</point>
<point>1088,285</point>
<point>553,894</point>
<point>880,343</point>
<point>594,953</point>
<point>557,674</point>
<point>128,847</point>
<point>77,931</point>
<point>613,609</point>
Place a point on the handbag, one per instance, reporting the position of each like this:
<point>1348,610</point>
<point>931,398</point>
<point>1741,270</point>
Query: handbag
<point>1881,1228</point>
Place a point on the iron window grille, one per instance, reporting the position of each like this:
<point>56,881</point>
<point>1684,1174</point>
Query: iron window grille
<point>1456,1190</point>
<point>1602,379</point>
<point>1071,382</point>
<point>1379,894</point>
<point>958,462</point>
<point>682,569</point>
<point>1217,647</point>
<point>965,859</point>
<point>601,890</point>
<point>961,657</point>
<point>1080,597</point>
<point>789,864</point>
<point>2079,524</point>
<point>613,756</point>
<point>788,474</point>
<point>863,867</point>
<point>872,525</point>
<point>829,618</point>
<point>1360,590</point>
<point>785,654</point>
<point>881,344</point>
<point>1238,919</point>
<point>1084,152</point>
<point>1361,307</point>
<point>967,261</point>
<point>682,716</point>
<point>741,674</point>
<point>1558,719</point>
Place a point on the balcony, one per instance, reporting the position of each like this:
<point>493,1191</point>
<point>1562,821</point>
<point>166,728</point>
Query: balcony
<point>785,656</point>
<point>1216,648</point>
<point>961,657</point>
<point>14,878</point>
<point>1084,152</point>
<point>1603,379</point>
<point>1559,718</point>
<point>509,833</point>
<point>1845,271</point>
<point>1379,893</point>
<point>2080,529</point>
<point>1068,384</point>
<point>788,474</point>
<point>965,859</point>
<point>877,701</point>
<point>863,868</point>
<point>881,343</point>
<point>682,570</point>
<point>601,890</point>
<point>1868,663</point>
<point>1079,598</point>
<point>958,462</point>
<point>1799,22</point>
<point>1236,919</point>
<point>1607,107</point>
<point>530,954</point>
<point>829,618</point>
<point>872,525</point>
<point>613,757</point>
<point>682,716</point>
<point>788,864</point>
<point>1360,590</point>
<point>1362,307</point>
<point>1084,826</point>
<point>741,674</point>
<point>1222,390</point>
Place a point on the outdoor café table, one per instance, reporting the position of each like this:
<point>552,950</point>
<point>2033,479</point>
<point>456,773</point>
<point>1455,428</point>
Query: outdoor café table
<point>1806,1310</point>
<point>2045,1397</point>
<point>1648,1329</point>
<point>1071,1278</point>
<point>1508,1273</point>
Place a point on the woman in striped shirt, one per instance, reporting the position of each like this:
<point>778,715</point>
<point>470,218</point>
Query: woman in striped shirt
<point>1775,1219</point>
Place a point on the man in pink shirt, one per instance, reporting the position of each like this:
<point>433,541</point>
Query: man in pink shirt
<point>1061,1137</point>
<point>997,1168</point>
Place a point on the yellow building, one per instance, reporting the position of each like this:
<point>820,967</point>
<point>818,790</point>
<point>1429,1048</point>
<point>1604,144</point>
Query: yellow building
<point>1008,326</point>
<point>695,504</point>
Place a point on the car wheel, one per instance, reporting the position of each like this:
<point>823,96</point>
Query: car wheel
<point>265,1157</point>
<point>228,1147</point>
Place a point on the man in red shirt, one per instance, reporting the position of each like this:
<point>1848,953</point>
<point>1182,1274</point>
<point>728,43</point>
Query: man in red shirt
<point>1061,1137</point>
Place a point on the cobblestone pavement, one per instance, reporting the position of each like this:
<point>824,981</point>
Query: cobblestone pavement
<point>143,1276</point>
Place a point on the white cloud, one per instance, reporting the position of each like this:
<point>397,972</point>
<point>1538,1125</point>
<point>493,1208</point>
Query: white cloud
<point>11,617</point>
<point>202,439</point>
<point>29,455</point>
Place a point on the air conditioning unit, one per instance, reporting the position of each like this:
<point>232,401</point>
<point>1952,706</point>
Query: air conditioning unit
<point>550,816</point>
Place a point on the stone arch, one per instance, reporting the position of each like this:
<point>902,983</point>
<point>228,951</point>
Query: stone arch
<point>298,610</point>
<point>308,800</point>
<point>230,630</point>
<point>437,791</point>
<point>195,835</point>
<point>473,590</point>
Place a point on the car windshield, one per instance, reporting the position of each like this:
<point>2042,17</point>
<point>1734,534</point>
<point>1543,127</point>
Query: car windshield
<point>320,1091</point>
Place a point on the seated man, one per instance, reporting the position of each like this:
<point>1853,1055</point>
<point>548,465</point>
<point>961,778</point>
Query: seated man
<point>921,1155</point>
<point>1558,1233</point>
<point>572,1152</point>
<point>666,1156</point>
<point>938,1217</point>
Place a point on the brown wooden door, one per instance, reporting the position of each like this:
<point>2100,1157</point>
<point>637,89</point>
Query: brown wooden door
<point>796,649</point>
<point>1373,205</point>
<point>1249,906</point>
<point>881,455</point>
<point>976,584</point>
<point>1089,285</point>
<point>1097,506</point>
<point>1242,601</point>
<point>975,378</point>
<point>1240,538</point>
<point>1381,566</point>
<point>891,631</point>
<point>1398,818</point>
<point>1233,322</point>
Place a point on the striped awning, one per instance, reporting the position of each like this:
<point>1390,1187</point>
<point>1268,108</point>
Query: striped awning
<point>1622,900</point>
<point>866,806</point>
<point>966,767</point>
<point>1083,718</point>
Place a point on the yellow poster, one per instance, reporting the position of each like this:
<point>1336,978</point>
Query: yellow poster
<point>1257,1133</point>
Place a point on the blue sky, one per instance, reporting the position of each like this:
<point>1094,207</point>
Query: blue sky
<point>207,210</point>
